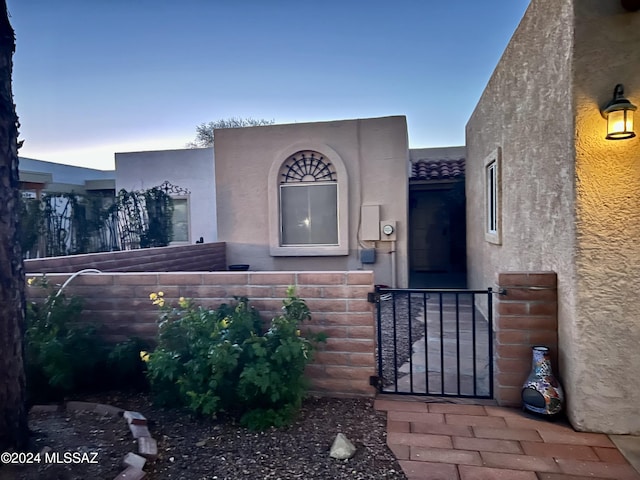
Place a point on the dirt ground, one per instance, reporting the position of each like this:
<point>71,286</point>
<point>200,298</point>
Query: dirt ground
<point>190,448</point>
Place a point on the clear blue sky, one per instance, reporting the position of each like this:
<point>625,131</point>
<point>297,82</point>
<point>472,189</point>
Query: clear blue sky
<point>94,77</point>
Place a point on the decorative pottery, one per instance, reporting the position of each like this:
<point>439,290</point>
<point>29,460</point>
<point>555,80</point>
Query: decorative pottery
<point>541,392</point>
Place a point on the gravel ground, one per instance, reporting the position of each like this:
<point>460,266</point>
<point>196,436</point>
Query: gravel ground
<point>192,449</point>
<point>403,323</point>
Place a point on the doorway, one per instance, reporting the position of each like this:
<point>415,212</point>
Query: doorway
<point>437,235</point>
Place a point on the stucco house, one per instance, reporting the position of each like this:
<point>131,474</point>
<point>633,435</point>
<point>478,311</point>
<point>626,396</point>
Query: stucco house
<point>187,175</point>
<point>547,192</point>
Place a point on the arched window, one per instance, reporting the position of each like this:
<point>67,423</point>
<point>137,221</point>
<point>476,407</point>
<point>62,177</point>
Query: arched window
<point>310,197</point>
<point>308,200</point>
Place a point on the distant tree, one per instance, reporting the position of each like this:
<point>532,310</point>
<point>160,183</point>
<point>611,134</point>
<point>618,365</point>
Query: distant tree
<point>13,415</point>
<point>204,131</point>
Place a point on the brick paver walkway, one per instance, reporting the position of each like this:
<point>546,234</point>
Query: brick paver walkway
<point>443,441</point>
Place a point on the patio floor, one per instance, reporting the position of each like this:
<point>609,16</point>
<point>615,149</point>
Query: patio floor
<point>446,441</point>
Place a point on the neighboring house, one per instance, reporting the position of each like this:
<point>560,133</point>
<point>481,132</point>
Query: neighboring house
<point>316,196</point>
<point>37,177</point>
<point>188,176</point>
<point>547,192</point>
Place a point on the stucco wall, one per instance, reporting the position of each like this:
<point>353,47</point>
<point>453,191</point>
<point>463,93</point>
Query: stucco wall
<point>525,111</point>
<point>519,112</point>
<point>569,197</point>
<point>375,155</point>
<point>192,169</point>
<point>605,367</point>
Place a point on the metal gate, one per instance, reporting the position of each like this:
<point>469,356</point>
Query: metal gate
<point>434,342</point>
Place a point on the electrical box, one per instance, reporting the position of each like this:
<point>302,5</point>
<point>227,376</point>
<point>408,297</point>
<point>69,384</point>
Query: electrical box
<point>388,230</point>
<point>368,255</point>
<point>370,222</point>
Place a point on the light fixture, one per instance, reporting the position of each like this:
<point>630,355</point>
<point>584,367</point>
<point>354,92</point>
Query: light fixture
<point>619,115</point>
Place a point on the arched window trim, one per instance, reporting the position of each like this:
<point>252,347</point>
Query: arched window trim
<point>331,157</point>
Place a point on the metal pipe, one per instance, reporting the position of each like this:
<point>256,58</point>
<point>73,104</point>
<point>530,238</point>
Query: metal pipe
<point>393,264</point>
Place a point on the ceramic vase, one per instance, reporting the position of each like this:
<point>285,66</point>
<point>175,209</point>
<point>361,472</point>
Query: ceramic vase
<point>541,392</point>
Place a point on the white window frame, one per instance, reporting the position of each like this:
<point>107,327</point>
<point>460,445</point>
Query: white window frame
<point>493,197</point>
<point>276,248</point>
<point>188,201</point>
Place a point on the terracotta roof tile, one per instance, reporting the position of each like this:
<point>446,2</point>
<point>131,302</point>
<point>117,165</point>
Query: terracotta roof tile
<point>437,169</point>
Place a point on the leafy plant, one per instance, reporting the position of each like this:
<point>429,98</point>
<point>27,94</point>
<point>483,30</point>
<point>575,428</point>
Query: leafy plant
<point>221,360</point>
<point>64,355</point>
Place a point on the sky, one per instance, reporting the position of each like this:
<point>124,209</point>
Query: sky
<point>95,77</point>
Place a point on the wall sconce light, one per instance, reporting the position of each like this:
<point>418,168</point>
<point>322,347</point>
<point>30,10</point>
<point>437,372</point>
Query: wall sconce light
<point>619,115</point>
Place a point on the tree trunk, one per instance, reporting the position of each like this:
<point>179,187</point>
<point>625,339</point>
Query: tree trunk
<point>13,415</point>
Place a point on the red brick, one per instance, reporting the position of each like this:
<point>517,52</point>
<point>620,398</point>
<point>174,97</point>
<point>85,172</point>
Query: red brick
<point>330,358</point>
<point>544,337</point>
<point>272,278</point>
<point>562,476</point>
<point>344,318</point>
<point>459,457</point>
<point>557,450</point>
<point>486,445</point>
<point>598,469</point>
<point>510,379</point>
<point>344,372</point>
<point>538,279</point>
<point>180,278</point>
<point>457,409</point>
<point>225,278</point>
<point>514,365</point>
<point>512,308</point>
<point>475,420</point>
<point>362,359</point>
<point>550,308</point>
<point>326,305</point>
<point>507,434</point>
<point>513,351</point>
<point>505,337</point>
<point>527,322</point>
<point>322,278</point>
<point>401,452</point>
<point>348,345</point>
<point>576,438</point>
<point>136,279</point>
<point>539,424</point>
<point>359,306</point>
<point>419,440</point>
<point>400,406</point>
<point>519,462</point>
<point>441,429</point>
<point>609,455</point>
<point>428,470</point>
<point>399,427</point>
<point>362,332</point>
<point>360,278</point>
<point>528,293</point>
<point>484,473</point>
<point>417,417</point>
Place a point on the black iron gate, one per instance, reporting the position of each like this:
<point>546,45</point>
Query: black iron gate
<point>434,342</point>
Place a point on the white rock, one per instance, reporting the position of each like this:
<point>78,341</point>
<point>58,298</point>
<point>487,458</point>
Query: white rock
<point>342,448</point>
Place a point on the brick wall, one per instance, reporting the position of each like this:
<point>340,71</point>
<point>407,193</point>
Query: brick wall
<point>184,258</point>
<point>337,300</point>
<point>525,316</point>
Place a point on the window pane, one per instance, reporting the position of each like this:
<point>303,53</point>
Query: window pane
<point>180,220</point>
<point>309,214</point>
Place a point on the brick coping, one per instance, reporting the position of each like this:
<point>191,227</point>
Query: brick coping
<point>471,441</point>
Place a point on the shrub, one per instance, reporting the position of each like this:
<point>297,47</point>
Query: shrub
<point>63,355</point>
<point>221,360</point>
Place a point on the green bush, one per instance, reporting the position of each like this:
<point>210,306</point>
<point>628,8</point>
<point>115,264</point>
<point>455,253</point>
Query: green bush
<point>221,360</point>
<point>65,356</point>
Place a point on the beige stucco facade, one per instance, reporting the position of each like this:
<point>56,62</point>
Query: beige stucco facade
<point>371,157</point>
<point>568,198</point>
